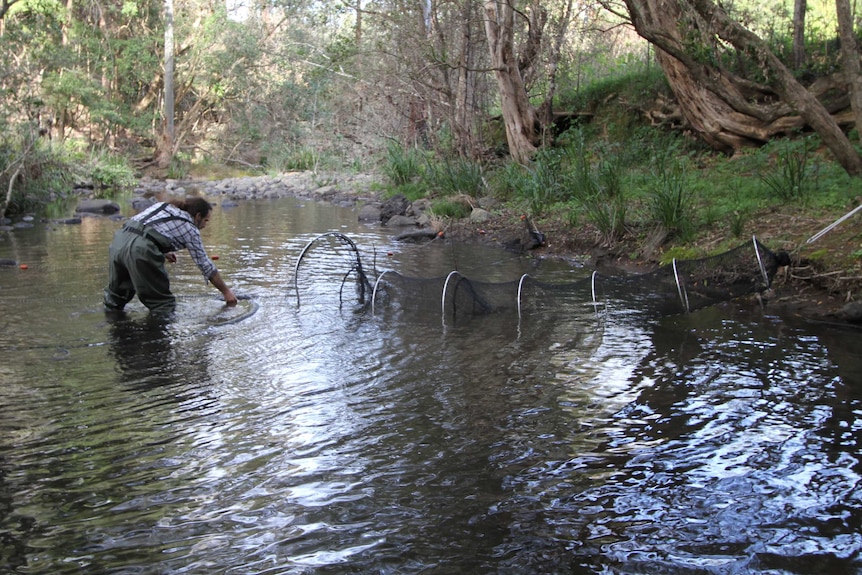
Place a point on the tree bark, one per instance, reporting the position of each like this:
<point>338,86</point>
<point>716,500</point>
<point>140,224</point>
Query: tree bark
<point>800,7</point>
<point>166,142</point>
<point>730,112</point>
<point>850,59</point>
<point>519,116</point>
<point>5,5</point>
<point>545,112</point>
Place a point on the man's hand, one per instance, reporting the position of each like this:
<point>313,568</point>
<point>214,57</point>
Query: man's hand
<point>171,257</point>
<point>216,280</point>
<point>229,298</point>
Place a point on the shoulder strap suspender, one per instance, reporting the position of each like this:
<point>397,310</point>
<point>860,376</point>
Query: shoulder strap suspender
<point>149,219</point>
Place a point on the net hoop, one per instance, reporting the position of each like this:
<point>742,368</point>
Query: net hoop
<point>445,287</point>
<point>683,295</point>
<point>766,281</point>
<point>520,287</point>
<point>361,278</point>
<point>374,291</point>
<point>698,283</point>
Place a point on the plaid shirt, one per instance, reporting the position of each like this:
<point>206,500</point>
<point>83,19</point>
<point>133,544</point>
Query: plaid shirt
<point>177,225</point>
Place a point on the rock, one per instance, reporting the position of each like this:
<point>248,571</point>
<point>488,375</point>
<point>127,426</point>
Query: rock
<point>67,221</point>
<point>141,204</point>
<point>395,206</point>
<point>416,235</point>
<point>479,215</point>
<point>419,207</point>
<point>370,213</point>
<point>98,207</point>
<point>400,222</point>
<point>852,312</point>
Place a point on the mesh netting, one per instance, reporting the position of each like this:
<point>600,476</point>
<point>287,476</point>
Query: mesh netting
<point>679,287</point>
<point>334,259</point>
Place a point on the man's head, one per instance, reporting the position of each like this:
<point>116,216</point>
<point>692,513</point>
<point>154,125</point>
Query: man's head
<point>199,209</point>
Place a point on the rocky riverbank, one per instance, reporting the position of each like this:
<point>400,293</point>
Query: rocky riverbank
<point>822,282</point>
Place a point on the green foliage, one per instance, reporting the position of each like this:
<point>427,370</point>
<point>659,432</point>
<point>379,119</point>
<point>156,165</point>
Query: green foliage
<point>41,170</point>
<point>458,176</point>
<point>737,222</point>
<point>290,158</point>
<point>450,208</point>
<point>412,190</point>
<point>543,183</point>
<point>178,168</point>
<point>508,180</point>
<point>627,92</point>
<point>597,186</point>
<point>679,253</point>
<point>669,202</point>
<point>109,173</point>
<point>402,165</point>
<point>790,177</point>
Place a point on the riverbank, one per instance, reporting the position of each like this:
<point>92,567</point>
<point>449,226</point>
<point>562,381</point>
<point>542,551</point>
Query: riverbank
<point>825,275</point>
<point>823,282</point>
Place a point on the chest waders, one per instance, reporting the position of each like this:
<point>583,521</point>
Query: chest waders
<point>136,265</point>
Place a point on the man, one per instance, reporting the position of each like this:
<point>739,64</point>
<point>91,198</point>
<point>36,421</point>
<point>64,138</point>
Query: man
<point>138,252</point>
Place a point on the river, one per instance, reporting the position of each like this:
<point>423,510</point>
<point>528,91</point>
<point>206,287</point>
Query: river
<point>305,433</point>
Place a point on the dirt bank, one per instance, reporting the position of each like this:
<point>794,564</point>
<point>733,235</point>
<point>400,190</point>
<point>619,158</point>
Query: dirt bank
<point>823,277</point>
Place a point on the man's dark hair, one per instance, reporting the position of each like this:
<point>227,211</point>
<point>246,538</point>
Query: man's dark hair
<point>194,205</point>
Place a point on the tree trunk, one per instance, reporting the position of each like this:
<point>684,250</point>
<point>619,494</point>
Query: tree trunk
<point>464,86</point>
<point>799,9</point>
<point>519,116</point>
<point>850,59</point>
<point>165,152</point>
<point>546,109</point>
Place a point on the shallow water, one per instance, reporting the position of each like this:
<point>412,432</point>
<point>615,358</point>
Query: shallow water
<point>315,437</point>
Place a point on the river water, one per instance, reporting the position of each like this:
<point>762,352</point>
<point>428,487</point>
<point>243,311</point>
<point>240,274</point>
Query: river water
<point>314,436</point>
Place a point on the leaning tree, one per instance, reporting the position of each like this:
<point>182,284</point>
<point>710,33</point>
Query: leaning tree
<point>731,87</point>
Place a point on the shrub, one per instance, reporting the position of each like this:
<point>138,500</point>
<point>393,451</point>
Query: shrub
<point>459,176</point>
<point>402,166</point>
<point>669,203</point>
<point>793,177</point>
<point>450,208</point>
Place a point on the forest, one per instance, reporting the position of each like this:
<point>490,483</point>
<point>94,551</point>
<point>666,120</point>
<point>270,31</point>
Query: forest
<point>626,116</point>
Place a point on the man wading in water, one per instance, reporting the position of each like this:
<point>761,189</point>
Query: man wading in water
<point>138,252</point>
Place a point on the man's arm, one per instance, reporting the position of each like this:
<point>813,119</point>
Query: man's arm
<point>216,280</point>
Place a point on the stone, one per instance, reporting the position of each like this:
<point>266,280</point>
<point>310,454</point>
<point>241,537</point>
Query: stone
<point>852,312</point>
<point>97,207</point>
<point>479,215</point>
<point>369,213</point>
<point>395,206</point>
<point>400,222</point>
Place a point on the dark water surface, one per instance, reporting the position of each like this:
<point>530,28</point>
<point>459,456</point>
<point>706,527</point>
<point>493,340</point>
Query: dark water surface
<point>314,438</point>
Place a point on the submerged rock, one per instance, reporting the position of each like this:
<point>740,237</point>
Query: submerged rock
<point>67,221</point>
<point>97,207</point>
<point>852,312</point>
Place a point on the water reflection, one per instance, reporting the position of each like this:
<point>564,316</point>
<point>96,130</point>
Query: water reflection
<point>712,466</point>
<point>316,437</point>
